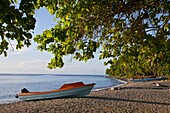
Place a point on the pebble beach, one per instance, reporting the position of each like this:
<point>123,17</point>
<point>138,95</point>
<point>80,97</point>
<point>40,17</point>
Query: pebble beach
<point>143,97</point>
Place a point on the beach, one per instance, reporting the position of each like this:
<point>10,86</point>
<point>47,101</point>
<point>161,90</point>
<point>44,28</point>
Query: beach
<point>143,97</point>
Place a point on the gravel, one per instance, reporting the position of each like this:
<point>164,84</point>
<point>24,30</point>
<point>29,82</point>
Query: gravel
<point>131,98</point>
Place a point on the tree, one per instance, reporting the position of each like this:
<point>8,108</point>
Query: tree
<point>16,24</point>
<point>132,35</point>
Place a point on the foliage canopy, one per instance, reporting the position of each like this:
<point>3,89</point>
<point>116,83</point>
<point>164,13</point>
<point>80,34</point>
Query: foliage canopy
<point>133,35</point>
<point>15,24</point>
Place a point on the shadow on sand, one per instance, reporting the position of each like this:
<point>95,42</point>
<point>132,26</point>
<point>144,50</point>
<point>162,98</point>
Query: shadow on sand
<point>125,100</point>
<point>157,88</point>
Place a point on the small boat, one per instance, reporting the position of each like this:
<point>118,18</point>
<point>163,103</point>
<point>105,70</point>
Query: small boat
<point>149,79</point>
<point>77,89</point>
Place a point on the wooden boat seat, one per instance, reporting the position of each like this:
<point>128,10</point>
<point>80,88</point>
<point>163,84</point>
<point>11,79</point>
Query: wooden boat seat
<point>72,85</point>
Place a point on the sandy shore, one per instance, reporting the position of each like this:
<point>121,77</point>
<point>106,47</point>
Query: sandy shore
<point>131,98</point>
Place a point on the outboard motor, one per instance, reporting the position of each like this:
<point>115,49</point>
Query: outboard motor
<point>24,90</point>
<point>16,96</point>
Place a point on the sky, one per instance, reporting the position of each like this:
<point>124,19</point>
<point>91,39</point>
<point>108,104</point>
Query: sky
<point>32,61</point>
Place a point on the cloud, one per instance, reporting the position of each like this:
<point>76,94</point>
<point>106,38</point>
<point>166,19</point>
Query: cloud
<point>14,51</point>
<point>32,63</point>
<point>28,61</point>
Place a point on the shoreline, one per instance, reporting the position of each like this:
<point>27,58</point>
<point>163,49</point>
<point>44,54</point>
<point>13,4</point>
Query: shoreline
<point>8,94</point>
<point>143,97</point>
<point>123,82</point>
<point>93,90</point>
<point>8,101</point>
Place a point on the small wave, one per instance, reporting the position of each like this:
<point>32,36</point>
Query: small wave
<point>110,87</point>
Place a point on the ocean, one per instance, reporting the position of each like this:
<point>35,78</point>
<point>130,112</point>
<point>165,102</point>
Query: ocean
<point>11,84</point>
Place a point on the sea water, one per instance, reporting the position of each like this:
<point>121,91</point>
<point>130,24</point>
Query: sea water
<point>11,84</point>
